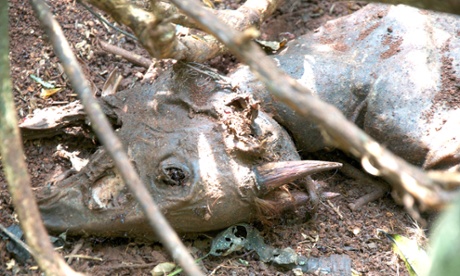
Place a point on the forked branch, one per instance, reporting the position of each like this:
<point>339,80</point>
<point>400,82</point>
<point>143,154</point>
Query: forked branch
<point>156,30</point>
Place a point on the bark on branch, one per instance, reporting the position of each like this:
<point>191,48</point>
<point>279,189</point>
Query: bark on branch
<point>18,179</point>
<point>157,33</point>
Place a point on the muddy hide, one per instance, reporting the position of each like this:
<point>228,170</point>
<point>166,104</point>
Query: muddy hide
<point>392,70</point>
<point>195,143</point>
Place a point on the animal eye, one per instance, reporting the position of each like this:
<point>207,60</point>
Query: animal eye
<point>174,174</point>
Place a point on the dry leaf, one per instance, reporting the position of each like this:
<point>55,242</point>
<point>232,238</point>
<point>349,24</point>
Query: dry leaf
<point>162,268</point>
<point>46,93</point>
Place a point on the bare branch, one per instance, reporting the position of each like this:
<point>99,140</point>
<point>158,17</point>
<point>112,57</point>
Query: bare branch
<point>16,239</point>
<point>344,134</point>
<point>129,56</point>
<point>105,21</point>
<point>111,143</point>
<point>251,13</point>
<point>157,36</point>
<point>157,33</point>
<point>16,171</point>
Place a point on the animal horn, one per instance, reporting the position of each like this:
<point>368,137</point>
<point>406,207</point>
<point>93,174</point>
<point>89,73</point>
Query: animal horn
<point>272,175</point>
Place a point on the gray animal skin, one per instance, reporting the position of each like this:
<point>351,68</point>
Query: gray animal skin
<point>211,155</point>
<point>392,70</point>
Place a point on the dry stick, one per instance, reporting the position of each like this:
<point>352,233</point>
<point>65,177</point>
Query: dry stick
<point>15,168</point>
<point>104,21</point>
<point>86,257</point>
<point>335,126</point>
<point>125,265</point>
<point>77,247</point>
<point>252,12</point>
<point>380,188</point>
<point>157,34</point>
<point>111,143</point>
<point>129,56</point>
<point>15,239</point>
<point>310,186</point>
<point>374,195</point>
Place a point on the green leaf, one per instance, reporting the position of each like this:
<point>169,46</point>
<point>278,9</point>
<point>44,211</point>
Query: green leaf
<point>416,259</point>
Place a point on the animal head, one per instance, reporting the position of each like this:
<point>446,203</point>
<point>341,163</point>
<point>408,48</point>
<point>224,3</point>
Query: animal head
<point>205,151</point>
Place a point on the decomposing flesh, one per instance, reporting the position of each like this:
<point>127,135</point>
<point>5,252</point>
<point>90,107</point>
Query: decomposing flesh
<point>210,154</point>
<point>392,70</point>
<point>207,154</point>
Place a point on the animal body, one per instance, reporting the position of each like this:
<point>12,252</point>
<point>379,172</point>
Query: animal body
<point>208,155</point>
<point>211,154</point>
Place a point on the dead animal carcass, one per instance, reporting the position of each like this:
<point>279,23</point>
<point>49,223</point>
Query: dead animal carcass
<point>211,156</point>
<point>392,70</point>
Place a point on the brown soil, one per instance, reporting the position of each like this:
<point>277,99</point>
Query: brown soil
<point>335,230</point>
<point>448,94</point>
<point>450,88</point>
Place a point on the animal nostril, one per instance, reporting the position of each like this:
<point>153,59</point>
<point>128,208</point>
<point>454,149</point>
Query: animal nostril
<point>176,176</point>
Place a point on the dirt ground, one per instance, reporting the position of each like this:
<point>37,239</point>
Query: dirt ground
<point>335,230</point>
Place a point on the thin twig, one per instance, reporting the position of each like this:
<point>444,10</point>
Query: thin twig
<point>129,56</point>
<point>14,166</point>
<point>77,247</point>
<point>343,133</point>
<point>374,195</point>
<point>335,208</point>
<point>80,256</point>
<point>103,20</point>
<point>15,239</point>
<point>124,265</point>
<point>112,144</point>
<point>157,33</point>
<point>380,188</point>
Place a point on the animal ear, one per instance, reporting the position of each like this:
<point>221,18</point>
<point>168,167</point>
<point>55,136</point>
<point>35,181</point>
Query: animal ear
<point>196,84</point>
